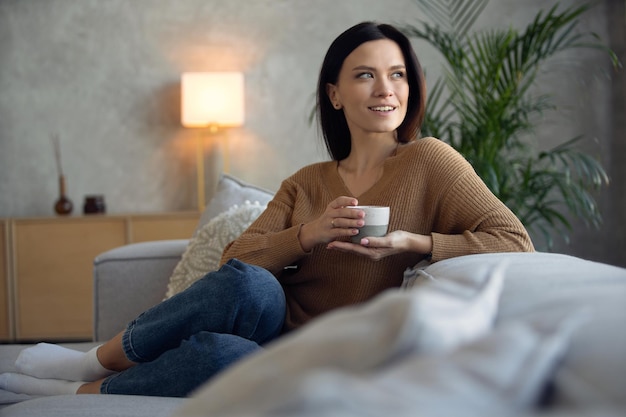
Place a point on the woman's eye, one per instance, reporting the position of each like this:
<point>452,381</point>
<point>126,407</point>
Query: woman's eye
<point>398,74</point>
<point>365,75</point>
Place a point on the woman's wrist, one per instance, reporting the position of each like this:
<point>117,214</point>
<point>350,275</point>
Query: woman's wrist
<point>422,244</point>
<point>305,242</point>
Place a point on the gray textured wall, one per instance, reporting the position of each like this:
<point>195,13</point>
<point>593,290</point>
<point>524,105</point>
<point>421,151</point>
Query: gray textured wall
<point>104,75</point>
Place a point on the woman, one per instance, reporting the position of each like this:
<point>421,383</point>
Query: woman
<point>296,261</point>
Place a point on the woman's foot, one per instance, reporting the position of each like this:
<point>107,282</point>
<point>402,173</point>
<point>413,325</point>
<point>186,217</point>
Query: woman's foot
<point>25,384</point>
<point>48,361</point>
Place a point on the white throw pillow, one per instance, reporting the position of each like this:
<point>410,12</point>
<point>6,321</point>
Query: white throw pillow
<point>205,249</point>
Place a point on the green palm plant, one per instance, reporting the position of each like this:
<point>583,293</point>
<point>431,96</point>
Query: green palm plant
<point>482,105</point>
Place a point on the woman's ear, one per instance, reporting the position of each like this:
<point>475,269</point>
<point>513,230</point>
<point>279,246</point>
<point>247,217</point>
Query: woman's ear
<point>331,90</point>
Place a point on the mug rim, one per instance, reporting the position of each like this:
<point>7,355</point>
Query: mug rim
<point>368,206</point>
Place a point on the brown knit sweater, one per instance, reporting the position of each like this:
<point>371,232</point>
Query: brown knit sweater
<point>430,188</point>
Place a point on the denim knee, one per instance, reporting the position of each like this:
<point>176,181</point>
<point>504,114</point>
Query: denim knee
<point>251,285</point>
<point>253,292</point>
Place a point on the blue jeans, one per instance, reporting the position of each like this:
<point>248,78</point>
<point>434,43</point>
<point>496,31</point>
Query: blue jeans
<point>185,340</point>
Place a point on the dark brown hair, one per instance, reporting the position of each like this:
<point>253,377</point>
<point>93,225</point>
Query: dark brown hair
<point>333,123</point>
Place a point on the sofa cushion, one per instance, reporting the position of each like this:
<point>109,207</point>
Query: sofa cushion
<point>231,191</point>
<point>204,251</point>
<point>94,406</point>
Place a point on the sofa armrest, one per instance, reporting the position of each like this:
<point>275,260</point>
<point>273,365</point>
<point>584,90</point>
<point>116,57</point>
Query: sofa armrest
<point>130,279</point>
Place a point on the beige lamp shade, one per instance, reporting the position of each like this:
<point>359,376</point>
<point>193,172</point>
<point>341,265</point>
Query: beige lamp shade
<point>212,99</point>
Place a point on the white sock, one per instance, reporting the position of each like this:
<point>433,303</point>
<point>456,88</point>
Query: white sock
<point>47,361</point>
<point>25,384</point>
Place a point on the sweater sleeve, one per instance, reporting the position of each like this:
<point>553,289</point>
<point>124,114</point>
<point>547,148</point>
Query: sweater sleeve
<point>272,241</point>
<point>472,220</point>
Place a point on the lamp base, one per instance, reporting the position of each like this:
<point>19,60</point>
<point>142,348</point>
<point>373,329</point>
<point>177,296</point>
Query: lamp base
<point>200,173</point>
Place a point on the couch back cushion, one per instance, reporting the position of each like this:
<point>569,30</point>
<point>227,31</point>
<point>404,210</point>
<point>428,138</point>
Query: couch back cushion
<point>231,191</point>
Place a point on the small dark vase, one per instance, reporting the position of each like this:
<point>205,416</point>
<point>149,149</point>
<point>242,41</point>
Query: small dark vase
<point>94,204</point>
<point>63,205</point>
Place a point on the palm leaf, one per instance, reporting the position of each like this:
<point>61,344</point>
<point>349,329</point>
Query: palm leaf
<point>453,16</point>
<point>483,106</point>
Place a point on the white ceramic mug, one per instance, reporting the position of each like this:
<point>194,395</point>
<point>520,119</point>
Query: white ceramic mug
<point>376,222</point>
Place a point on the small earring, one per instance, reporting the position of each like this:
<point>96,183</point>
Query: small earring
<point>337,106</point>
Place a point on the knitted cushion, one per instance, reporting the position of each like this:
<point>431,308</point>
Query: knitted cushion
<point>205,249</point>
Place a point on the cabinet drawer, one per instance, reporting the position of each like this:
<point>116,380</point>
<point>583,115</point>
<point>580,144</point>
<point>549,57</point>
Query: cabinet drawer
<point>54,269</point>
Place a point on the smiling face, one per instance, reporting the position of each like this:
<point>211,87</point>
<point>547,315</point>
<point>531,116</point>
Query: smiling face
<point>372,88</point>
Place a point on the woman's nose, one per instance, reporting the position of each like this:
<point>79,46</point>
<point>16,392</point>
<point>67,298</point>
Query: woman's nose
<point>383,89</point>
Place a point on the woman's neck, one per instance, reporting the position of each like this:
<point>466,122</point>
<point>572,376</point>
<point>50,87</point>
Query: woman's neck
<point>364,167</point>
<point>367,155</point>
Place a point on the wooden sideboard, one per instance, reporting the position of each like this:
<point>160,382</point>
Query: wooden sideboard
<point>46,268</point>
<point>5,305</point>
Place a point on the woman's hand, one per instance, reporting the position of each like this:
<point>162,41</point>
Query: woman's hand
<point>377,248</point>
<point>337,221</point>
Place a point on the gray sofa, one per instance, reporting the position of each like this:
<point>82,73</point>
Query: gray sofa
<point>589,378</point>
<point>127,280</point>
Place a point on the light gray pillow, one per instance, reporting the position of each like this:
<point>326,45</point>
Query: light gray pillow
<point>231,191</point>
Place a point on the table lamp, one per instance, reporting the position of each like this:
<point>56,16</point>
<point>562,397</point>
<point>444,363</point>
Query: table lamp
<point>211,100</point>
